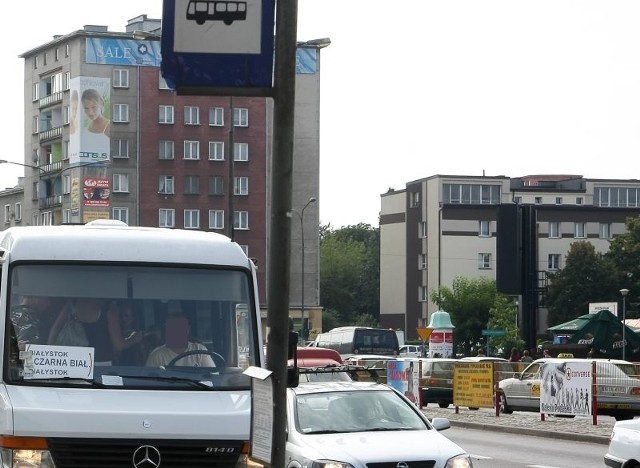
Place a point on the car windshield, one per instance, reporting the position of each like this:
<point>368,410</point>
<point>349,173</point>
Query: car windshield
<point>355,411</point>
<point>129,326</point>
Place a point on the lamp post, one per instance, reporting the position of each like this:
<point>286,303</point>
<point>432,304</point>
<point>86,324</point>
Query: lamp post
<point>303,335</point>
<point>624,293</point>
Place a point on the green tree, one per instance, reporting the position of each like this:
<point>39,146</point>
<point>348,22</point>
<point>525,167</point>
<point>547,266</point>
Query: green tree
<point>350,272</point>
<point>624,254</point>
<point>588,276</point>
<point>468,303</point>
<point>502,316</point>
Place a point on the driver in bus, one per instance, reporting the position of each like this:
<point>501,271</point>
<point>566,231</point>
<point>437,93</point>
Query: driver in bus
<point>177,342</point>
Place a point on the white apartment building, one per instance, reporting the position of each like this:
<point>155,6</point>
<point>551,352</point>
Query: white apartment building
<point>446,226</point>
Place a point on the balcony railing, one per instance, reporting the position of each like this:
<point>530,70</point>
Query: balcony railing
<point>52,133</point>
<point>52,167</point>
<point>50,100</point>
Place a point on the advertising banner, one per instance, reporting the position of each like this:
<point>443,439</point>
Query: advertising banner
<point>96,191</point>
<point>89,120</point>
<point>404,376</point>
<point>473,384</point>
<point>441,343</point>
<point>565,388</point>
<point>110,51</point>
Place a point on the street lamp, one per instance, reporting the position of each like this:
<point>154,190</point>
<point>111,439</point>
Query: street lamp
<point>624,293</point>
<point>304,334</point>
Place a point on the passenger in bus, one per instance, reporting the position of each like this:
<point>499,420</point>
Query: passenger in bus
<point>32,318</point>
<point>89,322</point>
<point>176,335</point>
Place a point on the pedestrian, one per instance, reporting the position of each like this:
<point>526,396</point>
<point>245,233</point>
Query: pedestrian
<point>480,352</point>
<point>515,355</point>
<point>526,357</point>
<point>546,354</point>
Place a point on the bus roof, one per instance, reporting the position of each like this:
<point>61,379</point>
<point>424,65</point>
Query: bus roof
<point>114,241</point>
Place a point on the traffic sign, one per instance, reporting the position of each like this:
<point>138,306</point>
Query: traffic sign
<point>424,333</point>
<point>494,332</point>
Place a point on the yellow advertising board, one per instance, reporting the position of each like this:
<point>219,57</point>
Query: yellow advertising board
<point>473,384</point>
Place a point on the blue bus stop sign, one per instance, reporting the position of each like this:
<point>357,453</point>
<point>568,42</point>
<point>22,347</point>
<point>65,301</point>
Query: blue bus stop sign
<point>209,46</point>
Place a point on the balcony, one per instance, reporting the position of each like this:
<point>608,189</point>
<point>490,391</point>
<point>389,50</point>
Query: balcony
<point>50,202</point>
<point>49,168</point>
<point>52,99</point>
<point>51,134</point>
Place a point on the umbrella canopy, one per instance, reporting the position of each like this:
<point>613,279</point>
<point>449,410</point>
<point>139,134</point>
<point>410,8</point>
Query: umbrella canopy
<point>601,332</point>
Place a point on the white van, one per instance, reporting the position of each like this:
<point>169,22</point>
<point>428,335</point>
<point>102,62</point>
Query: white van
<point>126,344</point>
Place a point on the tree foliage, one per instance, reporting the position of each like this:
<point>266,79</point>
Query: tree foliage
<point>468,303</point>
<point>624,254</point>
<point>349,275</point>
<point>587,276</point>
<point>502,316</point>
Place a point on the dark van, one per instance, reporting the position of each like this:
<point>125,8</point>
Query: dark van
<point>349,341</point>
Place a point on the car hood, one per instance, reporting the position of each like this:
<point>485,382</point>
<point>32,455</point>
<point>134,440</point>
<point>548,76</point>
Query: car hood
<point>75,412</point>
<point>380,446</point>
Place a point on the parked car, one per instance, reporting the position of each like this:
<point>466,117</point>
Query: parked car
<point>412,351</point>
<point>320,365</point>
<point>624,445</point>
<point>364,424</point>
<point>618,388</point>
<point>436,383</point>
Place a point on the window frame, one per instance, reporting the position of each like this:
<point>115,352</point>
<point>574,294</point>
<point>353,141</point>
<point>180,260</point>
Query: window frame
<point>166,114</point>
<point>163,217</point>
<point>484,261</point>
<point>216,219</point>
<point>191,115</point>
<point>191,150</point>
<point>120,113</point>
<point>120,78</point>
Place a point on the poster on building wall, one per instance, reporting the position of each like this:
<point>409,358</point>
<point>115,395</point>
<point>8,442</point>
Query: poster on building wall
<point>441,343</point>
<point>89,120</point>
<point>96,192</point>
<point>75,196</point>
<point>111,51</point>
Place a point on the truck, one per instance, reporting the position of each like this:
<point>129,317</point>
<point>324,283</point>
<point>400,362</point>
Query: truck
<point>78,387</point>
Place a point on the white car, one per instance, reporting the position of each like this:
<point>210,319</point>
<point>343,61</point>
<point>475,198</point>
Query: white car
<point>360,424</point>
<point>624,446</point>
<point>411,351</point>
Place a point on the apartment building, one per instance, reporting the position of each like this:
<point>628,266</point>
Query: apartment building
<point>446,226</point>
<point>106,138</point>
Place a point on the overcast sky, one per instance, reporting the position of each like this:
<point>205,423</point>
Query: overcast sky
<point>413,88</point>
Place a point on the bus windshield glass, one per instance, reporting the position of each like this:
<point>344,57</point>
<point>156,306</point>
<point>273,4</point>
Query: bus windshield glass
<point>130,326</point>
<point>375,341</point>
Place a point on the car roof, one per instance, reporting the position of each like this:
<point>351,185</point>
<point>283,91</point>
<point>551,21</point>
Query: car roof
<point>483,358</point>
<point>338,386</point>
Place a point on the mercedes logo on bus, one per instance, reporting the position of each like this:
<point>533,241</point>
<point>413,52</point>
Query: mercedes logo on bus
<point>146,456</point>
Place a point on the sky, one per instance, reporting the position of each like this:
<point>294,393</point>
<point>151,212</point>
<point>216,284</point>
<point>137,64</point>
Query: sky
<point>415,88</point>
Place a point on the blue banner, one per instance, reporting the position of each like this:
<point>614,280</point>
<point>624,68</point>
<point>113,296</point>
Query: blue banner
<point>123,52</point>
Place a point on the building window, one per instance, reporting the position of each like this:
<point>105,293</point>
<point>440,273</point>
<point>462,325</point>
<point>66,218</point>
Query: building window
<point>554,229</point>
<point>517,200</point>
<point>191,149</point>
<point>56,54</point>
<point>165,184</point>
<point>66,184</point>
<point>216,150</point>
<point>216,219</point>
<point>66,115</point>
<point>423,229</point>
<point>165,114</point>
<point>35,122</point>
<point>162,83</point>
<point>216,116</point>
<point>121,113</point>
<point>191,219</point>
<point>67,80</point>
<point>617,197</point>
<point>121,183</point>
<point>167,217</point>
<point>415,199</point>
<point>538,200</point>
<point>36,62</point>
<point>7,213</point>
<point>191,115</point>
<point>120,148</point>
<point>553,262</point>
<point>245,249</point>
<point>67,50</point>
<point>66,216</point>
<point>422,261</point>
<point>558,200</point>
<point>471,194</point>
<point>18,211</point>
<point>46,218</point>
<point>240,220</point>
<point>216,185</point>
<point>241,151</point>
<point>424,294</point>
<point>484,229</point>
<point>484,261</point>
<point>165,149</point>
<point>579,200</point>
<point>65,150</point>
<point>35,92</point>
<point>605,230</point>
<point>121,214</point>
<point>120,78</point>
<point>240,117</point>
<point>191,185</point>
<point>579,231</point>
<point>241,186</point>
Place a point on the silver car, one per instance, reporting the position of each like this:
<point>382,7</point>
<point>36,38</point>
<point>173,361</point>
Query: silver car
<point>618,388</point>
<point>360,424</point>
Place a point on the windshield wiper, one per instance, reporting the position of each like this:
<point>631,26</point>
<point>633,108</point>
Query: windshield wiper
<point>196,383</point>
<point>91,382</point>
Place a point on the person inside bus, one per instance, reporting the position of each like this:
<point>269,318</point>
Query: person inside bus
<point>32,318</point>
<point>88,322</point>
<point>176,336</point>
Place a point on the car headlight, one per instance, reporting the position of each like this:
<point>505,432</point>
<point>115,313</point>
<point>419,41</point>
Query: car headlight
<point>460,461</point>
<point>20,458</point>
<point>330,464</point>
